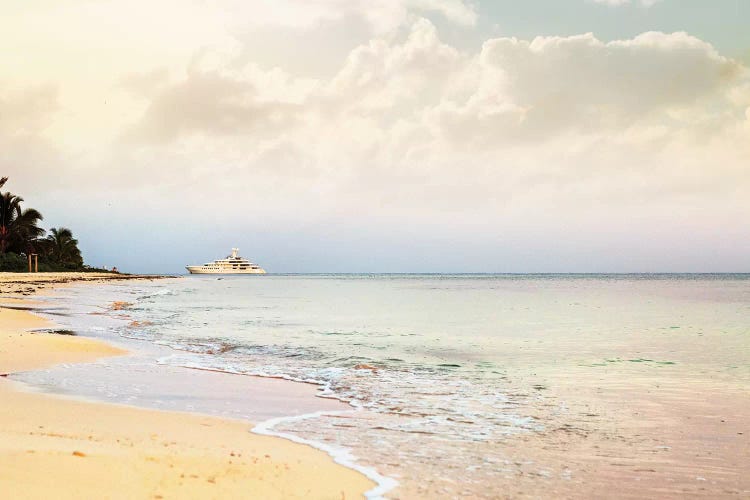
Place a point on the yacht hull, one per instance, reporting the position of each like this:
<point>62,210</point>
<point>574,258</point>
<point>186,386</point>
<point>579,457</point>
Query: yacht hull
<point>202,270</point>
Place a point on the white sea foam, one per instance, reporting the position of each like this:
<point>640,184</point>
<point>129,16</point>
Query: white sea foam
<point>340,455</point>
<point>158,293</point>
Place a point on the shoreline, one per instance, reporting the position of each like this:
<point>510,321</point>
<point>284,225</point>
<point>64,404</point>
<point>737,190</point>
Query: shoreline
<point>93,446</point>
<point>29,284</point>
<point>657,417</point>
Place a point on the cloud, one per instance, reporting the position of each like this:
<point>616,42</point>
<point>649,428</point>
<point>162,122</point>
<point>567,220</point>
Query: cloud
<point>530,90</point>
<point>145,83</point>
<point>381,74</point>
<point>382,17</point>
<point>557,135</point>
<point>419,87</point>
<point>531,120</point>
<point>619,3</point>
<point>219,97</point>
<point>210,103</point>
<point>29,152</point>
<point>457,11</point>
<point>27,111</point>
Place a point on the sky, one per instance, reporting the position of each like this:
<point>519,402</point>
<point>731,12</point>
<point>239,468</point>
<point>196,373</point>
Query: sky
<point>390,136</point>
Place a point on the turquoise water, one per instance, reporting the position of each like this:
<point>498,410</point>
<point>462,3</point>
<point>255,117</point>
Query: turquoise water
<point>442,368</point>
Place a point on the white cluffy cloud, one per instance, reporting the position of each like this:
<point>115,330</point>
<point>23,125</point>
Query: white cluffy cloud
<point>512,90</point>
<point>565,138</point>
<point>416,129</point>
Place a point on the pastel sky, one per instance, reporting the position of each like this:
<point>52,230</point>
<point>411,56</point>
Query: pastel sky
<point>389,136</point>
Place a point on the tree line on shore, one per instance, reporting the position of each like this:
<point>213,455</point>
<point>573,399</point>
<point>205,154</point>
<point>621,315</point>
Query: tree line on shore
<point>21,236</point>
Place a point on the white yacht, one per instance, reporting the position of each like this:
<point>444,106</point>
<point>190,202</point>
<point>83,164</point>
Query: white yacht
<point>232,264</point>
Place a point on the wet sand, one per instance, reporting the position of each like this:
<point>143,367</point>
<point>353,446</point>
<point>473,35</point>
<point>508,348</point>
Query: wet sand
<point>667,418</point>
<point>634,435</point>
<point>619,435</point>
<point>633,428</point>
<point>25,284</point>
<point>62,448</point>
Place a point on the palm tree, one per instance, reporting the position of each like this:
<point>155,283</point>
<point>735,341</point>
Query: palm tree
<point>18,227</point>
<point>63,248</point>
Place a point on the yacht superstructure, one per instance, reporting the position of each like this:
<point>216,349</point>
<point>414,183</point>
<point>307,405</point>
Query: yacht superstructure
<point>232,264</point>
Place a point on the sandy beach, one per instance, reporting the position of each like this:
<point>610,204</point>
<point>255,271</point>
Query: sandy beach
<point>56,447</point>
<point>23,284</point>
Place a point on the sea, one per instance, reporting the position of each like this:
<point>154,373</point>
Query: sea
<point>437,371</point>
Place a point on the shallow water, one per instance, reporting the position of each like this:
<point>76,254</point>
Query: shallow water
<point>445,368</point>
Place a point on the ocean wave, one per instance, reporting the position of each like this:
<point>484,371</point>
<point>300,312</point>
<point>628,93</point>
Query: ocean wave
<point>341,456</point>
<point>433,399</point>
<point>157,293</point>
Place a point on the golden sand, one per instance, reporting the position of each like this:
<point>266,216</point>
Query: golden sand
<point>52,447</point>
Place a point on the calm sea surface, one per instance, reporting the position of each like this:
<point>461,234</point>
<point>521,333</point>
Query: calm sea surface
<point>440,368</point>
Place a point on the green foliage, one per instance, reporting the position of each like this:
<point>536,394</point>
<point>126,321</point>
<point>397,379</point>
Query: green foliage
<point>89,269</point>
<point>12,262</point>
<point>49,266</point>
<point>18,227</point>
<point>20,236</point>
<point>61,248</point>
